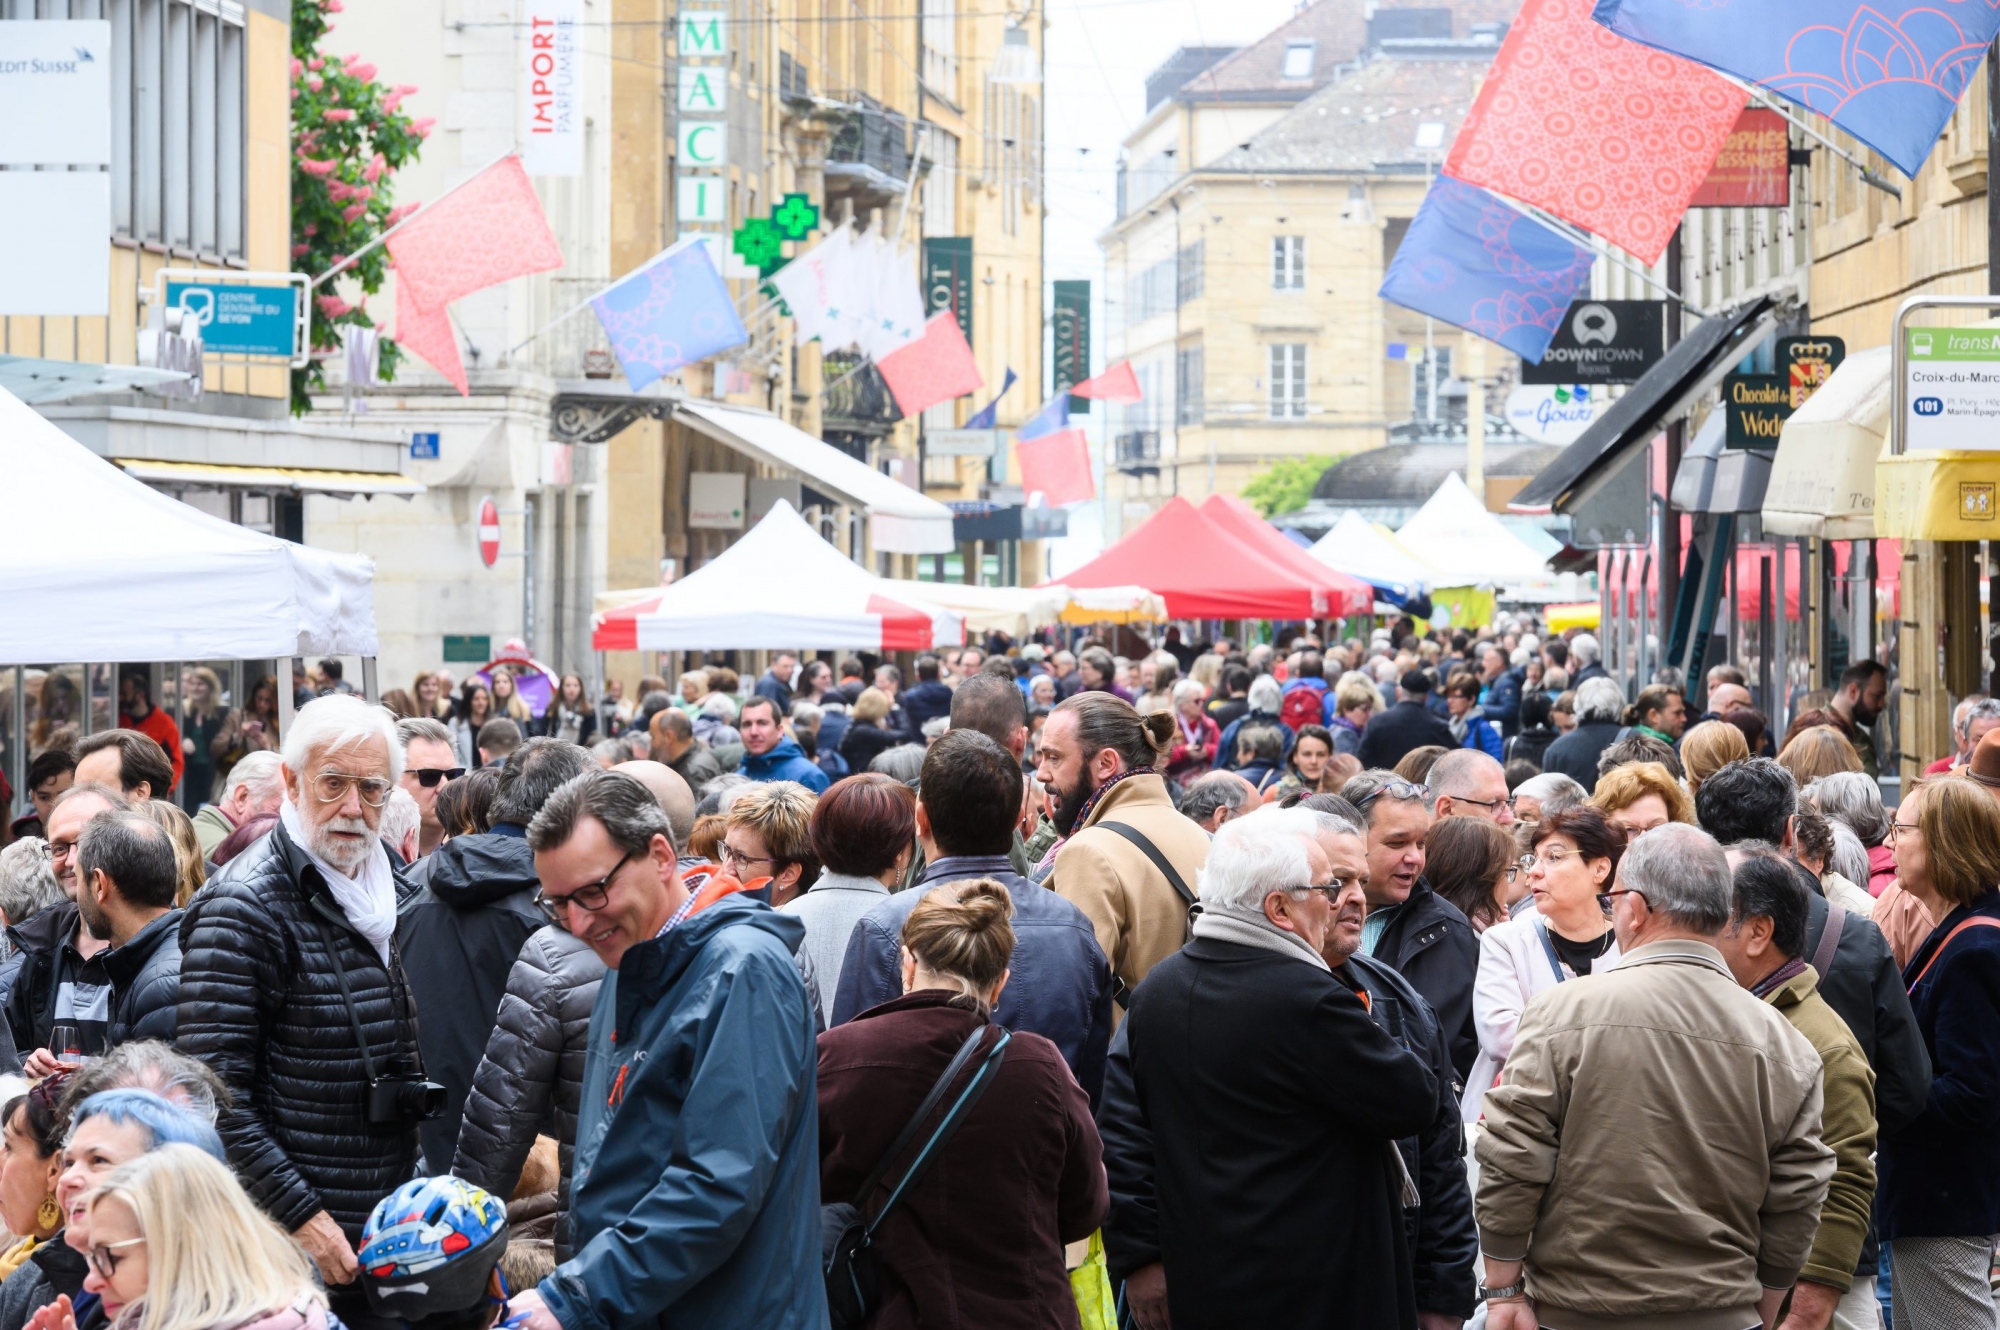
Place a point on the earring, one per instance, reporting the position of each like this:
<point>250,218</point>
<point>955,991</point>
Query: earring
<point>49,1215</point>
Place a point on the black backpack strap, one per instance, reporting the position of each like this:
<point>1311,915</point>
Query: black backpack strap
<point>1152,851</point>
<point>989,1071</point>
<point>1829,938</point>
<point>889,1156</point>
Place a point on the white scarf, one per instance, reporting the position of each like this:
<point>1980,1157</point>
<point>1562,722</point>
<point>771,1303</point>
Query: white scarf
<point>369,901</point>
<point>1245,929</point>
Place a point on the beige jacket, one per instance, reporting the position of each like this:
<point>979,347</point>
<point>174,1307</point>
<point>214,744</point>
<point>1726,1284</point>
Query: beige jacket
<point>1653,1148</point>
<point>1139,918</point>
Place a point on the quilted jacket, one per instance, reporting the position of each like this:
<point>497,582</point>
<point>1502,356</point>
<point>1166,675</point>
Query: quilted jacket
<point>529,1081</point>
<point>145,977</point>
<point>261,1005</point>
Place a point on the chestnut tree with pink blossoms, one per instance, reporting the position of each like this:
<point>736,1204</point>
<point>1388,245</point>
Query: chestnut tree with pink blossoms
<point>349,137</point>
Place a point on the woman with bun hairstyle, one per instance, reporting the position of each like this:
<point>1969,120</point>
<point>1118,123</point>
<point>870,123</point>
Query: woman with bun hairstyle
<point>979,1238</point>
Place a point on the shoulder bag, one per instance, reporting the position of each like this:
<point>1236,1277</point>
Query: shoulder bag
<point>846,1239</point>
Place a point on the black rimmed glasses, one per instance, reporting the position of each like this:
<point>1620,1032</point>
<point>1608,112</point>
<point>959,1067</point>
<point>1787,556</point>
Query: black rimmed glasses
<point>1607,899</point>
<point>101,1258</point>
<point>591,896</point>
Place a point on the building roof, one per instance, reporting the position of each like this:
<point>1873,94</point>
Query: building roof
<point>1410,473</point>
<point>1367,120</point>
<point>1339,32</point>
<point>1178,68</point>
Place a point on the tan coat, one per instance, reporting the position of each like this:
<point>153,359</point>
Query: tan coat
<point>1847,1125</point>
<point>1653,1148</point>
<point>1139,918</point>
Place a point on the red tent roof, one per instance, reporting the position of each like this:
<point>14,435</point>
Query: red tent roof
<point>1345,595</point>
<point>1203,571</point>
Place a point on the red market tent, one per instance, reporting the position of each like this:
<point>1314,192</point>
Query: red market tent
<point>1345,595</point>
<point>1203,571</point>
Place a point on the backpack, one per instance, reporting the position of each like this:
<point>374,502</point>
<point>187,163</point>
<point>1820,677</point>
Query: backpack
<point>1302,706</point>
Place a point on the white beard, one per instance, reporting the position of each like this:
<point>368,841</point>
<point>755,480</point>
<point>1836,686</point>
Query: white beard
<point>346,856</point>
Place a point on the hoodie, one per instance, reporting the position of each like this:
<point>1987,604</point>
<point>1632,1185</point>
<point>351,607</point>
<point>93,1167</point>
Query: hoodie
<point>460,938</point>
<point>695,1200</point>
<point>785,762</point>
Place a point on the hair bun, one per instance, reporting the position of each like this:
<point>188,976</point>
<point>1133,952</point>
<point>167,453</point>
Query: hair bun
<point>1159,726</point>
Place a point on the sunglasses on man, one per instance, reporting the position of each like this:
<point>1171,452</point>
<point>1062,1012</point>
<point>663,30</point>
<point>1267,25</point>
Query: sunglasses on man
<point>428,777</point>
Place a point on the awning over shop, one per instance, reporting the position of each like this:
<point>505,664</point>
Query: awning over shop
<point>1715,478</point>
<point>157,579</point>
<point>1690,368</point>
<point>780,586</point>
<point>1823,479</point>
<point>900,520</point>
<point>287,479</point>
<point>39,382</point>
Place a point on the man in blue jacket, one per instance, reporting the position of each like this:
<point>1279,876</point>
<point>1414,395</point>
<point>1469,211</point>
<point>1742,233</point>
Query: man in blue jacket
<point>771,754</point>
<point>695,1200</point>
<point>968,800</point>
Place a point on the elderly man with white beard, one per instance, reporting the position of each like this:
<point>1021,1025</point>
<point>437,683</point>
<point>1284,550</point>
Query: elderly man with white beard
<point>293,993</point>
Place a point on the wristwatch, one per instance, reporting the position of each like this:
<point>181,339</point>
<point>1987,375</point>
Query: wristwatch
<point>1518,1288</point>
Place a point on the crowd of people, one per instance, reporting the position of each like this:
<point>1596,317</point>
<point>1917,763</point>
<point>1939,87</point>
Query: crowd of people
<point>1048,991</point>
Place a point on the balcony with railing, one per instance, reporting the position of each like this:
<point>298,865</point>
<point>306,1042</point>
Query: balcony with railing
<point>576,348</point>
<point>868,156</point>
<point>1136,452</point>
<point>858,402</point>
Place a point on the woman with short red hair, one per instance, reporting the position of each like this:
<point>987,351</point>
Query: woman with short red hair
<point>863,831</point>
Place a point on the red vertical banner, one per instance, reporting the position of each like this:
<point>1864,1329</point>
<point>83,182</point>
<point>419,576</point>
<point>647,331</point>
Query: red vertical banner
<point>1753,170</point>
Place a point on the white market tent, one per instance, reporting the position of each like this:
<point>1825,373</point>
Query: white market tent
<point>95,566</point>
<point>1356,547</point>
<point>780,587</point>
<point>1468,545</point>
<point>1018,610</point>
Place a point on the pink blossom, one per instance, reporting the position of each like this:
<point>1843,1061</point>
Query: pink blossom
<point>312,228</point>
<point>361,192</point>
<point>405,89</point>
<point>332,306</point>
<point>338,113</point>
<point>315,82</point>
<point>376,166</point>
<point>360,69</point>
<point>400,211</point>
<point>423,127</point>
<point>338,191</point>
<point>353,210</point>
<point>298,67</point>
<point>391,102</point>
<point>335,7</point>
<point>299,251</point>
<point>316,64</point>
<point>318,168</point>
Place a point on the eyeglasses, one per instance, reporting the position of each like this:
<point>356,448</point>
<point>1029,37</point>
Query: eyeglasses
<point>330,787</point>
<point>103,1262</point>
<point>1551,859</point>
<point>1607,899</point>
<point>62,849</point>
<point>1895,829</point>
<point>1484,803</point>
<point>1333,890</point>
<point>1395,789</point>
<point>733,857</point>
<point>428,777</point>
<point>1633,833</point>
<point>591,896</point>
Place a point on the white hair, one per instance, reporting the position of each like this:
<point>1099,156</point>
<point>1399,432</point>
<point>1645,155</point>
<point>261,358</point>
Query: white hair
<point>721,706</point>
<point>1584,647</point>
<point>1265,695</point>
<point>1849,857</point>
<point>261,773</point>
<point>1184,689</point>
<point>400,817</point>
<point>1558,793</point>
<point>336,721</point>
<point>1521,656</point>
<point>1252,857</point>
<point>1599,699</point>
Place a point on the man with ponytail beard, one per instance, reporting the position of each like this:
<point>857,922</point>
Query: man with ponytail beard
<point>1128,860</point>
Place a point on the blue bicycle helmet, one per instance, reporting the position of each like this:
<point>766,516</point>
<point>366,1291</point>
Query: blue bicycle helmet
<point>430,1248</point>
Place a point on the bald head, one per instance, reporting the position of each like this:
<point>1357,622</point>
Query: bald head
<point>1468,783</point>
<point>671,790</point>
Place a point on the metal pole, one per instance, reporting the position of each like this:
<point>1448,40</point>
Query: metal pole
<point>369,689</point>
<point>281,675</point>
<point>1781,649</point>
<point>528,571</point>
<point>19,722</point>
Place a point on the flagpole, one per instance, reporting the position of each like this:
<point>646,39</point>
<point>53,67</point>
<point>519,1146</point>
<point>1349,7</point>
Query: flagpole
<point>507,356</point>
<point>351,259</point>
<point>1868,177</point>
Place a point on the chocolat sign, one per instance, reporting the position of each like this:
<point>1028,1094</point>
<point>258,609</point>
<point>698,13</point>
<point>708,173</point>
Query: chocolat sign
<point>1603,341</point>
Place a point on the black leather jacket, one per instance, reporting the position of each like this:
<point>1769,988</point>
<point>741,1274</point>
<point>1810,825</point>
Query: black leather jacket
<point>261,1005</point>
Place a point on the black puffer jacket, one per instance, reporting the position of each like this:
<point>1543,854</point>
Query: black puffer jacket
<point>531,1079</point>
<point>261,1005</point>
<point>460,938</point>
<point>145,982</point>
<point>1429,942</point>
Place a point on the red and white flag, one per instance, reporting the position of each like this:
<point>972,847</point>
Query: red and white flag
<point>1057,467</point>
<point>482,233</point>
<point>1116,384</point>
<point>935,368</point>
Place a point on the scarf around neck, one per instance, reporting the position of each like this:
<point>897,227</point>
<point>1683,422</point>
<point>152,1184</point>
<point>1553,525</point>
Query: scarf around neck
<point>369,900</point>
<point>1223,923</point>
<point>1096,796</point>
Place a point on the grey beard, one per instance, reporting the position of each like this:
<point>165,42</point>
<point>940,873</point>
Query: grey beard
<point>338,853</point>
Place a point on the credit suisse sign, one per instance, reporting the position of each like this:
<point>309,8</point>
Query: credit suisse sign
<point>55,92</point>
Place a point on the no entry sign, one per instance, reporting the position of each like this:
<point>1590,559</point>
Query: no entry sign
<point>489,532</point>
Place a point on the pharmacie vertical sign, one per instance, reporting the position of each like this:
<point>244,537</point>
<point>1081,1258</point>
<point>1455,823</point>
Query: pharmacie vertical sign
<point>948,279</point>
<point>701,190</point>
<point>1069,329</point>
<point>551,83</point>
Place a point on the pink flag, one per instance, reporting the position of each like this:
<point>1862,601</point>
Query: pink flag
<point>429,334</point>
<point>1116,384</point>
<point>935,368</point>
<point>487,230</point>
<point>1603,132</point>
<point>1057,466</point>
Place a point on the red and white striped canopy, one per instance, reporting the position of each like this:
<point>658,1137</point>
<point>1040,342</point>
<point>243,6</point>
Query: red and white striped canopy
<point>781,586</point>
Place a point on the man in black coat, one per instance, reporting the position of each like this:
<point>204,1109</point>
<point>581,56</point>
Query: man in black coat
<point>125,867</point>
<point>1410,928</point>
<point>464,931</point>
<point>1600,709</point>
<point>61,978</point>
<point>1410,724</point>
<point>1270,1102</point>
<point>294,994</point>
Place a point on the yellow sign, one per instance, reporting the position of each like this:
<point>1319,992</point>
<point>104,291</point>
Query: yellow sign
<point>1937,495</point>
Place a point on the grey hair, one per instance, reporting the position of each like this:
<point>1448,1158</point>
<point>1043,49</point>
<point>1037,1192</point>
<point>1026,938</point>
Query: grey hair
<point>1584,648</point>
<point>1599,699</point>
<point>148,1064</point>
<point>1982,708</point>
<point>1367,791</point>
<point>936,726</point>
<point>337,721</point>
<point>400,816</point>
<point>904,762</point>
<point>1849,857</point>
<point>1265,695</point>
<point>807,713</point>
<point>1251,858</point>
<point>1217,789</point>
<point>421,727</point>
<point>1453,773</point>
<point>533,772</point>
<point>1558,793</point>
<point>626,809</point>
<point>1851,798</point>
<point>263,773</point>
<point>1683,874</point>
<point>721,706</point>
<point>27,880</point>
<point>1184,689</point>
<point>1265,742</point>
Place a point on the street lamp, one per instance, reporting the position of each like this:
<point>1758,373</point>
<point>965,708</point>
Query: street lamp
<point>1017,61</point>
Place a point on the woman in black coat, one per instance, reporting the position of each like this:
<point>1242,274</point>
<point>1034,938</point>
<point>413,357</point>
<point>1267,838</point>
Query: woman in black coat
<point>868,734</point>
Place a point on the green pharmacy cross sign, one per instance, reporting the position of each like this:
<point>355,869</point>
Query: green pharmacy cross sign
<point>796,216</point>
<point>760,244</point>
